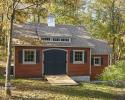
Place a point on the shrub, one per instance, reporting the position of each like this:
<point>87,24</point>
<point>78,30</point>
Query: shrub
<point>114,72</point>
<point>1,76</point>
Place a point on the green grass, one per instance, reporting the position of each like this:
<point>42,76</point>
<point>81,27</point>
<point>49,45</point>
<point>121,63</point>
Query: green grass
<point>40,90</point>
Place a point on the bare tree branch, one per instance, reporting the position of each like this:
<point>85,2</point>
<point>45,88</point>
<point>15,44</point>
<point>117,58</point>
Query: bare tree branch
<point>16,4</point>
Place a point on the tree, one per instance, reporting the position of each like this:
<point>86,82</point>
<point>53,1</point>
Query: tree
<point>11,16</point>
<point>67,11</point>
<point>107,22</point>
<point>12,8</point>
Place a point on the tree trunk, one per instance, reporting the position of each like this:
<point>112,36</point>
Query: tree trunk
<point>7,80</point>
<point>113,49</point>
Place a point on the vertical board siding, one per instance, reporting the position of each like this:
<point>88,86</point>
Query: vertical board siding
<point>20,56</point>
<point>27,70</point>
<point>79,69</point>
<point>38,56</point>
<point>97,70</point>
<point>85,56</point>
<point>35,70</point>
<point>71,56</point>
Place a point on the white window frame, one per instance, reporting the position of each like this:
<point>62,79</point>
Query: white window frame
<point>54,39</point>
<point>99,61</point>
<point>28,62</point>
<point>83,54</point>
<point>51,39</point>
<point>46,39</point>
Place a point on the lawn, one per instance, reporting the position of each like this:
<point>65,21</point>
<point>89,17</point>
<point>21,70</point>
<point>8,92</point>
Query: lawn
<point>40,90</point>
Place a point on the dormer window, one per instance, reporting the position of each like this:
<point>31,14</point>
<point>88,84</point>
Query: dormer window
<point>65,39</point>
<point>45,39</point>
<point>56,39</point>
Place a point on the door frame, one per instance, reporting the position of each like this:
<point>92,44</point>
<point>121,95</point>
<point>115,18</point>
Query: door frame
<point>48,49</point>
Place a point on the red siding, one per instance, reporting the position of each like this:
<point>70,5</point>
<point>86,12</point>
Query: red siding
<point>97,70</point>
<point>79,69</point>
<point>35,70</point>
<point>27,70</point>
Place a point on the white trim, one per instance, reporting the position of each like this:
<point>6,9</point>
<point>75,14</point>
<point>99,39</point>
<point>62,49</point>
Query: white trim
<point>51,39</point>
<point>99,59</point>
<point>54,49</point>
<point>83,54</point>
<point>110,59</point>
<point>50,46</point>
<point>34,62</point>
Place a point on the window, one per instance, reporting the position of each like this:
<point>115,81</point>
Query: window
<point>65,39</point>
<point>56,39</point>
<point>29,56</point>
<point>45,39</point>
<point>78,56</point>
<point>97,61</point>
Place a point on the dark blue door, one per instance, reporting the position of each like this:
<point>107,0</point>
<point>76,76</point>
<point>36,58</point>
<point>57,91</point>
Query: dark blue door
<point>54,62</point>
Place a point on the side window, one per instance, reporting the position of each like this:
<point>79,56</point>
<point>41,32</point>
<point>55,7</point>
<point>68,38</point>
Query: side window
<point>78,56</point>
<point>97,61</point>
<point>29,56</point>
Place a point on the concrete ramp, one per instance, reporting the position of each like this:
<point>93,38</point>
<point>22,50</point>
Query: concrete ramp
<point>60,80</point>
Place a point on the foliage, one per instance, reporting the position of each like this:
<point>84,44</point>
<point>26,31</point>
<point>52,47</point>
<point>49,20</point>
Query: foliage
<point>107,22</point>
<point>1,76</point>
<point>114,72</point>
<point>67,11</point>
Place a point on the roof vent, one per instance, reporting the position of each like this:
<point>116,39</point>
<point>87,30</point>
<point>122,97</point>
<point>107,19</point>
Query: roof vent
<point>51,20</point>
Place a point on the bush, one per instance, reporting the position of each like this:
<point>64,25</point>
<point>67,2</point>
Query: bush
<point>114,72</point>
<point>1,76</point>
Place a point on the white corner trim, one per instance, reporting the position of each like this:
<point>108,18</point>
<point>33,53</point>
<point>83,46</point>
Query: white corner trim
<point>110,59</point>
<point>24,62</point>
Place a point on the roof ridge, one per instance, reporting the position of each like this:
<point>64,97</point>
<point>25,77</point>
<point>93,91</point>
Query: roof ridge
<point>34,23</point>
<point>99,39</point>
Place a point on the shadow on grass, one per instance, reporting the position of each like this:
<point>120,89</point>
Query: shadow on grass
<point>75,91</point>
<point>115,84</point>
<point>23,98</point>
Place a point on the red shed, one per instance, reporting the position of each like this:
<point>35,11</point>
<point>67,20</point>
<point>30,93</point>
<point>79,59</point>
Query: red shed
<point>42,49</point>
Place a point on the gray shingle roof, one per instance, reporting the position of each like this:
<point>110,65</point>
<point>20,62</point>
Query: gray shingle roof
<point>80,37</point>
<point>101,47</point>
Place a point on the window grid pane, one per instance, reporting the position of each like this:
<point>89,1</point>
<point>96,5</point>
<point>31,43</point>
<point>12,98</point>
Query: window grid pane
<point>96,61</point>
<point>55,39</point>
<point>78,56</point>
<point>29,56</point>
